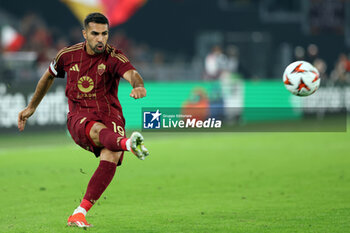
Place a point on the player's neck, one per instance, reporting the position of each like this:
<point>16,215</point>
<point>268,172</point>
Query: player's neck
<point>89,50</point>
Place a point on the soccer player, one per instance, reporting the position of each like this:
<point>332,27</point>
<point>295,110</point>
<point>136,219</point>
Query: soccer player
<point>95,120</point>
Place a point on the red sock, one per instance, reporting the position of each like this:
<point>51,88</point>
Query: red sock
<point>112,141</point>
<point>98,183</point>
<point>86,204</point>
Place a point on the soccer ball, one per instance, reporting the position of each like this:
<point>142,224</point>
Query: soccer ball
<point>301,78</point>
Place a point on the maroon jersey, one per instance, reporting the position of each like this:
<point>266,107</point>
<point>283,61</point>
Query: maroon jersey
<point>92,80</point>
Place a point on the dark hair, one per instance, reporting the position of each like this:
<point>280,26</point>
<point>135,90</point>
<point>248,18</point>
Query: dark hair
<point>95,18</point>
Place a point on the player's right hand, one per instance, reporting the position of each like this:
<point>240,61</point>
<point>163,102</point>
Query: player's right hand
<point>23,117</point>
<point>138,92</point>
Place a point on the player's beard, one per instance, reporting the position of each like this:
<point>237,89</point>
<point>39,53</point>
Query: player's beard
<point>96,50</point>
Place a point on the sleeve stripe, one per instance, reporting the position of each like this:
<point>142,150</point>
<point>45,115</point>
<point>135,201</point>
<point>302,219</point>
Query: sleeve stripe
<point>125,58</point>
<point>52,69</point>
<point>121,58</point>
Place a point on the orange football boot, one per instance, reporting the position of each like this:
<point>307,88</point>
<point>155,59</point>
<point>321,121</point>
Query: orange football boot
<point>78,220</point>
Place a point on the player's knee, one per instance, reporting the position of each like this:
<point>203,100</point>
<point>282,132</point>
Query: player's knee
<point>95,132</point>
<point>97,127</point>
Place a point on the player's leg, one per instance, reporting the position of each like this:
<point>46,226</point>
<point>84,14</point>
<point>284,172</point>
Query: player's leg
<point>105,137</point>
<point>107,144</point>
<point>115,140</point>
<point>102,176</point>
<point>97,185</point>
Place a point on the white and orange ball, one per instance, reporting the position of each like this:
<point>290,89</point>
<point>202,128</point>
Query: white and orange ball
<point>301,78</point>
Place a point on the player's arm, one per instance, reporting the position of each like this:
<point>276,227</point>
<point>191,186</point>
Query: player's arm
<point>136,81</point>
<point>42,87</point>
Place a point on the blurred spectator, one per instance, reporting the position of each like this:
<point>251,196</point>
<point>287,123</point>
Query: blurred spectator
<point>197,105</point>
<point>232,61</point>
<point>299,53</point>
<point>321,66</point>
<point>233,65</point>
<point>341,74</point>
<point>312,53</point>
<point>214,63</point>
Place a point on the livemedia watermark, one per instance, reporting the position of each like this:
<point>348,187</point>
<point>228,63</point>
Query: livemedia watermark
<point>244,119</point>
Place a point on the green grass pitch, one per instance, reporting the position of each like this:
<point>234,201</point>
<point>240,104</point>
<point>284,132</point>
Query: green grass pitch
<point>243,182</point>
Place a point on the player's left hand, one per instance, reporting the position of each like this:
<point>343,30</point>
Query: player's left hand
<point>138,92</point>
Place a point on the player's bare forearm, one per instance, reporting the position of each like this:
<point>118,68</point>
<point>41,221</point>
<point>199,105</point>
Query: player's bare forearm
<point>134,78</point>
<point>136,81</point>
<point>42,88</point>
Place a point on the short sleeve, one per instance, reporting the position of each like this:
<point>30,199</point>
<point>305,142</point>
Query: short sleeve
<point>56,66</point>
<point>121,63</point>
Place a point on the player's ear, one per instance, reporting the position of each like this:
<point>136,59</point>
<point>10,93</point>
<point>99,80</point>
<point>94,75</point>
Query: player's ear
<point>84,34</point>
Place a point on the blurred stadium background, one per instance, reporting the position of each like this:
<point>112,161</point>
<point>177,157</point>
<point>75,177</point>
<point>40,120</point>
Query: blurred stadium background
<point>222,53</point>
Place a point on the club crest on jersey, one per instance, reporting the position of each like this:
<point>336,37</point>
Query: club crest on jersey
<point>101,69</point>
<point>85,84</point>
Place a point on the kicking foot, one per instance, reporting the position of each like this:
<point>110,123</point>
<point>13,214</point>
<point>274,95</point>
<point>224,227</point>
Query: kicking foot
<point>137,147</point>
<point>78,220</point>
